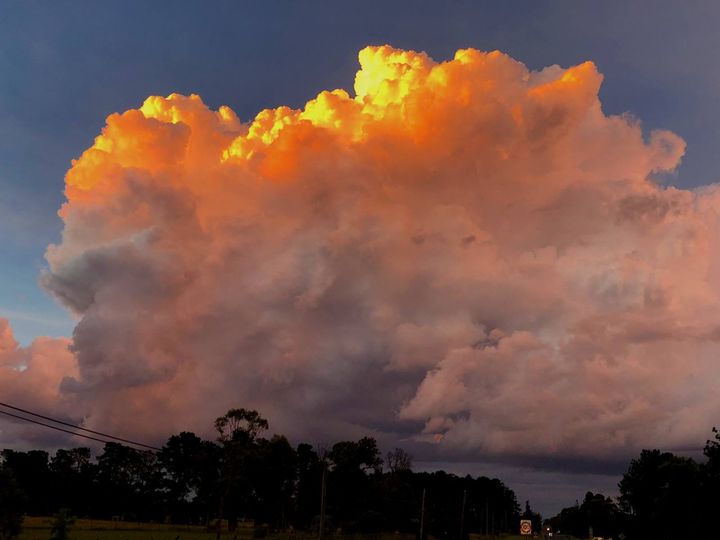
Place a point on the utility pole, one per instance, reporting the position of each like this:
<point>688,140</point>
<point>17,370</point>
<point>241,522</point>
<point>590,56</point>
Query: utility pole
<point>462,515</point>
<point>422,516</point>
<point>322,501</point>
<point>486,517</point>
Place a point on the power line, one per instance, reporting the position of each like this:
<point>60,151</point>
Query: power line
<point>79,428</point>
<point>51,427</point>
<point>64,430</point>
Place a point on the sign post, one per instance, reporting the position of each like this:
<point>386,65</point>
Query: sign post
<point>525,527</point>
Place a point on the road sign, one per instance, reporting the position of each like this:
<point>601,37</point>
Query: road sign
<point>525,527</point>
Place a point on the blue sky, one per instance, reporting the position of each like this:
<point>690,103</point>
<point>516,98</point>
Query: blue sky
<point>67,65</point>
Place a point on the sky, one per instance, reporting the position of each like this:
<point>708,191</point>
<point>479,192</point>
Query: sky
<point>293,293</point>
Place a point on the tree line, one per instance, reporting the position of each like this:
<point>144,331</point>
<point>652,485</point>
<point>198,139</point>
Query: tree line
<point>663,496</point>
<point>244,476</point>
<point>241,475</point>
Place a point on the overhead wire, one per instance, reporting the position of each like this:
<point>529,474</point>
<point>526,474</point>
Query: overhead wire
<point>75,427</point>
<point>52,427</point>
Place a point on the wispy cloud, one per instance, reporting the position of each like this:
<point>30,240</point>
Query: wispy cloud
<point>33,317</point>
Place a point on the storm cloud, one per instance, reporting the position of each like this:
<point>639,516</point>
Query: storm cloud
<point>465,253</point>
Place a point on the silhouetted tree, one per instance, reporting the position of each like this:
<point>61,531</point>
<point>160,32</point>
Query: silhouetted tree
<point>240,425</point>
<point>398,460</point>
<point>533,516</point>
<point>31,471</point>
<point>307,491</point>
<point>242,474</point>
<point>712,453</point>
<point>272,475</point>
<point>661,494</point>
<point>400,495</point>
<point>351,485</point>
<point>12,505</point>
<point>597,511</point>
<point>711,474</point>
<point>191,472</point>
<point>129,481</point>
<point>72,479</point>
<point>237,431</point>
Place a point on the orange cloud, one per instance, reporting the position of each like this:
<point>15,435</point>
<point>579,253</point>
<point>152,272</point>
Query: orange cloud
<point>468,244</point>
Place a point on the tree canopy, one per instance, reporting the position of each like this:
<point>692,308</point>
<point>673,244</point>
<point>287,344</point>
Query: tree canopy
<point>243,475</point>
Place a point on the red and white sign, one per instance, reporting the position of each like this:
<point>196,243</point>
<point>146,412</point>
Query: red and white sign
<point>525,527</point>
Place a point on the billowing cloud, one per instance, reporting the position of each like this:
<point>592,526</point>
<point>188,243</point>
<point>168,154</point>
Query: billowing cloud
<point>465,252</point>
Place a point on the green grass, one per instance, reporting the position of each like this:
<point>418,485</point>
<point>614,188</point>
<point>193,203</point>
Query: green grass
<point>38,528</point>
<point>88,534</point>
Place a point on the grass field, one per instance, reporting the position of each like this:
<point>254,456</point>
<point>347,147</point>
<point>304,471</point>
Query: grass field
<point>38,528</point>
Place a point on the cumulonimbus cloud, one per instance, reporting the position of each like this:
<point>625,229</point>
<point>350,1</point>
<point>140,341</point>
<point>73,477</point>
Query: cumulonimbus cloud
<point>468,252</point>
